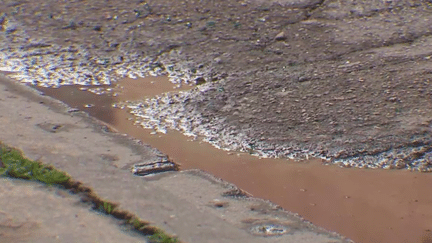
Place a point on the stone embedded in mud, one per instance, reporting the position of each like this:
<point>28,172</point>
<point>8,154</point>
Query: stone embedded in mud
<point>10,29</point>
<point>303,79</point>
<point>218,60</point>
<point>97,28</point>
<point>200,80</point>
<point>72,25</point>
<point>281,36</point>
<point>71,110</point>
<point>299,3</point>
<point>3,19</point>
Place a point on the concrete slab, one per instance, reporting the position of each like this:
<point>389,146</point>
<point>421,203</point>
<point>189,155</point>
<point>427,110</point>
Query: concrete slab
<point>32,212</point>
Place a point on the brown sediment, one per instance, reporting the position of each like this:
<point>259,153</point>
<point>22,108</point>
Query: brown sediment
<point>363,204</point>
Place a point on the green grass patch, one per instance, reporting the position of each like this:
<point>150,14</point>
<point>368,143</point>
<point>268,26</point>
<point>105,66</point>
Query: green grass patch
<point>161,237</point>
<point>14,164</point>
<point>108,207</point>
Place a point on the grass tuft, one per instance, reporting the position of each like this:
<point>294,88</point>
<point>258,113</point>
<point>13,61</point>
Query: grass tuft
<point>161,237</point>
<point>108,207</point>
<point>15,165</point>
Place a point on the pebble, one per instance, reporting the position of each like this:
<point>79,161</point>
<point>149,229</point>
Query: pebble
<point>71,110</point>
<point>281,36</point>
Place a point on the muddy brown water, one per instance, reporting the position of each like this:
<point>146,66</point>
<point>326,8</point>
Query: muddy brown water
<point>363,204</point>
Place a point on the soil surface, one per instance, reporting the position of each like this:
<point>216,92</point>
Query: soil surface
<point>346,80</point>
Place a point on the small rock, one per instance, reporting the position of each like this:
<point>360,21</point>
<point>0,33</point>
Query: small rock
<point>199,81</point>
<point>11,29</point>
<point>393,99</point>
<point>72,25</point>
<point>97,28</point>
<point>55,127</point>
<point>2,19</point>
<point>73,110</point>
<point>218,60</point>
<point>218,203</point>
<point>281,36</point>
<point>114,45</point>
<point>153,167</point>
<point>303,79</point>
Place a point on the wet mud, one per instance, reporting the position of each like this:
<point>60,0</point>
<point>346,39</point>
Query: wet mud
<point>363,204</point>
<point>345,80</point>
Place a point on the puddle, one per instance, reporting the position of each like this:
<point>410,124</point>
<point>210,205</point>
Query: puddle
<point>363,204</point>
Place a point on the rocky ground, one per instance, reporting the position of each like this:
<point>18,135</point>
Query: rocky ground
<point>345,80</point>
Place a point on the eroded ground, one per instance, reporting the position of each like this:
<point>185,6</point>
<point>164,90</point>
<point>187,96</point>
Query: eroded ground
<point>346,80</point>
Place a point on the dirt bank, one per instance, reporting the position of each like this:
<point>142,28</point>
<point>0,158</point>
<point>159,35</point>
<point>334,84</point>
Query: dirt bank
<point>347,80</point>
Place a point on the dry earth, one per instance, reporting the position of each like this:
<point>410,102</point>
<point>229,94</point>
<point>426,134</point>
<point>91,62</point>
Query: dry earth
<point>346,80</point>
